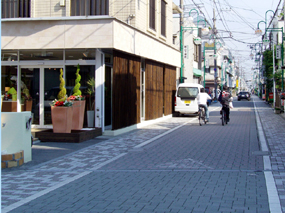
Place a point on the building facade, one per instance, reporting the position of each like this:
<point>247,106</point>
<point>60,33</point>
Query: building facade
<point>125,47</point>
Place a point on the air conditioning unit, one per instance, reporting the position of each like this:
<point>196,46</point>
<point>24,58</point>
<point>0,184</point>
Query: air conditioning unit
<point>62,3</point>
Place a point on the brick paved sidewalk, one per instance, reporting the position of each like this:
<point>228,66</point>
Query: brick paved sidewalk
<point>274,131</point>
<point>26,183</point>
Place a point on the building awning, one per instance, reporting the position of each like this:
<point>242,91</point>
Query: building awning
<point>197,72</point>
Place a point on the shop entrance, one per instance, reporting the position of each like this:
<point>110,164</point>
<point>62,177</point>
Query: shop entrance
<point>43,85</point>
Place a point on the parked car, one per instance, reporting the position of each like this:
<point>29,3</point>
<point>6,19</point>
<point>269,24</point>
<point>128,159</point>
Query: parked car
<point>186,98</point>
<point>244,95</point>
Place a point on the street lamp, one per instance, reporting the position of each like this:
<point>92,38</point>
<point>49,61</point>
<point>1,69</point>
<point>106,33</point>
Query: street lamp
<point>266,43</point>
<point>197,40</point>
<point>260,49</point>
<point>215,58</point>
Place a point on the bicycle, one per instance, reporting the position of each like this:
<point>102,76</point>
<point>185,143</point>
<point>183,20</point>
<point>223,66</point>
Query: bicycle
<point>223,118</point>
<point>202,115</point>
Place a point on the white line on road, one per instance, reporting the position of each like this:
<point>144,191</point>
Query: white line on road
<point>273,198</point>
<point>169,131</point>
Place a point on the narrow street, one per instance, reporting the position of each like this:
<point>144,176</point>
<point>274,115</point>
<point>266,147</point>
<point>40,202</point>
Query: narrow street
<point>171,166</point>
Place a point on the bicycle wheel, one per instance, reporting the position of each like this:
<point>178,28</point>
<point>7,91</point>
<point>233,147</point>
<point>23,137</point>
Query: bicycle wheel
<point>223,117</point>
<point>200,116</point>
<point>204,116</point>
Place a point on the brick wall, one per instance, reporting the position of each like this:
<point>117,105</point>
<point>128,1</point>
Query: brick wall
<point>12,160</point>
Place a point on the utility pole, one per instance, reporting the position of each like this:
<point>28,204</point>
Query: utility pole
<point>182,40</point>
<point>215,51</point>
<point>274,95</point>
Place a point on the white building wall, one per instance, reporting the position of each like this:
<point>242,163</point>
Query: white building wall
<point>133,12</point>
<point>85,33</point>
<point>141,44</point>
<point>189,35</point>
<point>55,34</point>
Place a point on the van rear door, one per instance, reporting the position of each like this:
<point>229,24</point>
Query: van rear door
<point>186,95</point>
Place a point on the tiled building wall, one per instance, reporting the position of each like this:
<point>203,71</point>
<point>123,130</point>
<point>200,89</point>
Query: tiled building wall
<point>122,9</point>
<point>49,8</point>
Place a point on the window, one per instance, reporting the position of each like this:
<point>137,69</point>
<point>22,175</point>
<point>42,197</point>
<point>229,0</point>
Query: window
<point>16,8</point>
<point>89,7</point>
<point>187,92</point>
<point>152,14</point>
<point>196,52</point>
<point>163,18</point>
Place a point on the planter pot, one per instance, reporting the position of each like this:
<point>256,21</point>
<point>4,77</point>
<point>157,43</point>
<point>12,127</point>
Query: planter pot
<point>78,114</point>
<point>28,105</point>
<point>90,118</point>
<point>61,119</point>
<point>277,111</point>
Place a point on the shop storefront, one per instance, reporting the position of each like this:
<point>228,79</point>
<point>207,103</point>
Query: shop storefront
<point>38,74</point>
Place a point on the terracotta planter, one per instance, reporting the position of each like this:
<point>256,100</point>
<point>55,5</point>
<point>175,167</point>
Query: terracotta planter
<point>28,105</point>
<point>61,119</point>
<point>78,114</point>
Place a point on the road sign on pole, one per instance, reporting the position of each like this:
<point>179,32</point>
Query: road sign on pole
<point>185,51</point>
<point>278,52</point>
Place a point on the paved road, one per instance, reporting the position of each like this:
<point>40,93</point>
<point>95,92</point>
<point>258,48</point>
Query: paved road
<point>189,168</point>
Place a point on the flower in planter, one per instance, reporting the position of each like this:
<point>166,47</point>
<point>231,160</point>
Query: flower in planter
<point>282,95</point>
<point>61,103</point>
<point>76,98</point>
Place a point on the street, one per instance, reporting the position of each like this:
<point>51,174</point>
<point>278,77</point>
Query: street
<point>171,166</point>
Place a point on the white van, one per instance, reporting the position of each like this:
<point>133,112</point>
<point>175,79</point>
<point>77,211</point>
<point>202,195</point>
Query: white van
<point>186,98</point>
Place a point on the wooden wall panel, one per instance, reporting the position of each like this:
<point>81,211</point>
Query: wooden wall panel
<point>159,89</point>
<point>169,89</point>
<point>126,90</point>
<point>154,90</point>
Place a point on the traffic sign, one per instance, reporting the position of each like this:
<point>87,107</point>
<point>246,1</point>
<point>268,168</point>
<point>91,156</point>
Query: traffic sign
<point>278,52</point>
<point>185,51</point>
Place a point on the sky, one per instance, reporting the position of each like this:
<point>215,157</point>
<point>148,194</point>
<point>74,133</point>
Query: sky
<point>236,22</point>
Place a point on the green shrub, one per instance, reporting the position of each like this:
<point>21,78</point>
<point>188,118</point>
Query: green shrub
<point>76,90</point>
<point>62,91</point>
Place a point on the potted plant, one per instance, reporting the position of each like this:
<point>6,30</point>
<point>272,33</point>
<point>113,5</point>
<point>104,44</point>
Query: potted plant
<point>13,93</point>
<point>90,111</point>
<point>78,103</point>
<point>277,110</point>
<point>61,110</point>
<point>27,99</point>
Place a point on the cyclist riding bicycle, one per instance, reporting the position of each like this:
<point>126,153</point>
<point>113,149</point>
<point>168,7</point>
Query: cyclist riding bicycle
<point>224,99</point>
<point>202,101</point>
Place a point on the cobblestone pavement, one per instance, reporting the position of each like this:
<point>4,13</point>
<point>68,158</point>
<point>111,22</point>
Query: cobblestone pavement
<point>194,168</point>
